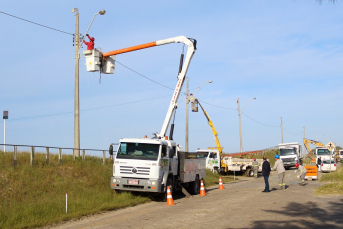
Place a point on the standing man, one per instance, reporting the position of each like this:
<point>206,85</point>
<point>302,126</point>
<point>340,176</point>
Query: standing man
<point>319,163</point>
<point>266,173</point>
<point>280,171</point>
<point>302,174</point>
<point>255,167</point>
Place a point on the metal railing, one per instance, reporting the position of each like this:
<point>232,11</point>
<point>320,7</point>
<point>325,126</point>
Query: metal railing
<point>47,152</point>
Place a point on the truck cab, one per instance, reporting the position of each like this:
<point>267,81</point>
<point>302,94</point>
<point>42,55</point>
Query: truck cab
<point>290,153</point>
<point>324,153</point>
<point>212,159</point>
<point>144,164</point>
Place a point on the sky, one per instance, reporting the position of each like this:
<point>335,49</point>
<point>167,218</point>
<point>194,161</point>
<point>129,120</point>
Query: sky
<point>287,54</point>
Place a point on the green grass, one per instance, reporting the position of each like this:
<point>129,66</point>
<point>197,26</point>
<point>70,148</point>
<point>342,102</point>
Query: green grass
<point>213,179</point>
<point>334,188</point>
<point>34,196</point>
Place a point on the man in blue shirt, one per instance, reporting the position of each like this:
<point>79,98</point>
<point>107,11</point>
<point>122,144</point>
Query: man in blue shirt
<point>266,173</point>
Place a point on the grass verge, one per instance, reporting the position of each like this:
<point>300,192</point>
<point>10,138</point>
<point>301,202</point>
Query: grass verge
<point>334,188</point>
<point>35,196</point>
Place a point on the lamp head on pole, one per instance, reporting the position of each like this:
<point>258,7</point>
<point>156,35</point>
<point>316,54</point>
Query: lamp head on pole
<point>211,81</point>
<point>102,12</point>
<point>74,10</point>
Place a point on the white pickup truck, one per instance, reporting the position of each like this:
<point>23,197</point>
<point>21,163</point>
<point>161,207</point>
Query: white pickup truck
<point>150,165</point>
<point>242,165</point>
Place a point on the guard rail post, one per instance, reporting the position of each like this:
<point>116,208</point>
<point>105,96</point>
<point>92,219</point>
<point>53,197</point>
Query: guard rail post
<point>60,155</point>
<point>15,156</point>
<point>103,156</point>
<point>83,154</point>
<point>32,155</point>
<point>47,155</point>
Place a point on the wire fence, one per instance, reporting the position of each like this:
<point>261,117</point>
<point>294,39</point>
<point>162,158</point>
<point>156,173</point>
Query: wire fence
<point>56,150</point>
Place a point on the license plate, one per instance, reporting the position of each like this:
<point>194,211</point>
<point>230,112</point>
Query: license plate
<point>133,181</point>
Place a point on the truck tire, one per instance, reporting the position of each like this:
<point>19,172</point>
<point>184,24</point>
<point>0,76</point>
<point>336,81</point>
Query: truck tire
<point>249,173</point>
<point>195,186</point>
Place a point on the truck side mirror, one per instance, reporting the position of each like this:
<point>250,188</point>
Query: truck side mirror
<point>110,150</point>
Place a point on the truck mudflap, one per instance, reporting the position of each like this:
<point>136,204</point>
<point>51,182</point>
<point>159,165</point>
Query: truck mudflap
<point>135,184</point>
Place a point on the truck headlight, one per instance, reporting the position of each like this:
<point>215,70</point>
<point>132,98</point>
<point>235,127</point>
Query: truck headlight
<point>114,180</point>
<point>153,183</point>
<point>148,182</point>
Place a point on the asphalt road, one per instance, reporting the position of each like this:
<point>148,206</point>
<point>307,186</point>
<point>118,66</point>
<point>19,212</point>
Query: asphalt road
<point>240,205</point>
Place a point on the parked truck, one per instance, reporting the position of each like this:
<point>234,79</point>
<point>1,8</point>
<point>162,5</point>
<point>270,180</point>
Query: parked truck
<point>152,164</point>
<point>243,165</point>
<point>290,153</point>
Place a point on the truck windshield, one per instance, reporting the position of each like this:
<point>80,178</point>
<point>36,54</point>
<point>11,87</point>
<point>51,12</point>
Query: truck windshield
<point>141,151</point>
<point>323,152</point>
<point>285,152</point>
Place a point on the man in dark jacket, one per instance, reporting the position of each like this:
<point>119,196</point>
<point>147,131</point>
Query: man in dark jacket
<point>266,173</point>
<point>319,163</point>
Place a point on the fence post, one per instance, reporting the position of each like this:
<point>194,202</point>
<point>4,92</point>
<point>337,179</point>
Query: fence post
<point>15,156</point>
<point>60,155</point>
<point>103,156</point>
<point>32,155</point>
<point>83,154</point>
<point>47,155</point>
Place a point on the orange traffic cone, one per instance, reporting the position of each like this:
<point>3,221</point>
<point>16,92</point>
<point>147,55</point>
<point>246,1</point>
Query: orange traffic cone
<point>170,200</point>
<point>221,187</point>
<point>202,189</point>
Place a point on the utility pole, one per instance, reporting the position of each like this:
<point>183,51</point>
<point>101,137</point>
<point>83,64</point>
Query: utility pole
<point>240,127</point>
<point>77,97</point>
<point>281,131</point>
<point>187,110</point>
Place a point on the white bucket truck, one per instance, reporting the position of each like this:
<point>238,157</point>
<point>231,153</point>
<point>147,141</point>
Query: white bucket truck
<point>290,153</point>
<point>150,165</point>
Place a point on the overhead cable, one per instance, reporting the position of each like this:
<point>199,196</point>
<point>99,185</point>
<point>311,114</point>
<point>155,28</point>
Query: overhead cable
<point>96,108</point>
<point>35,23</point>
<point>291,132</point>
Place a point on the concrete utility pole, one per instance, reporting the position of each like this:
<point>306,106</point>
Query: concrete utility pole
<point>187,110</point>
<point>240,127</point>
<point>5,116</point>
<point>77,97</point>
<point>281,131</point>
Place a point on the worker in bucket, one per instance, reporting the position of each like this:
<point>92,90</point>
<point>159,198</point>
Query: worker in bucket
<point>278,166</point>
<point>90,44</point>
<point>255,168</point>
<point>302,174</point>
<point>194,103</point>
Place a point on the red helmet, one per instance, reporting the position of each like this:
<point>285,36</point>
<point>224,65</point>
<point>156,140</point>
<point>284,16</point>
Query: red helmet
<point>296,165</point>
<point>254,159</point>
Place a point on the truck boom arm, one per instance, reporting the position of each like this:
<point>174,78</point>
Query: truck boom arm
<point>313,142</point>
<point>214,131</point>
<point>181,77</point>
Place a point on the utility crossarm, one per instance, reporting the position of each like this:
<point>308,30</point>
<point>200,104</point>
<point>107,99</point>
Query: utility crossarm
<point>313,142</point>
<point>214,131</point>
<point>191,43</point>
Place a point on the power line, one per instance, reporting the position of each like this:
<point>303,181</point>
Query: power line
<point>291,132</point>
<point>96,108</point>
<point>258,121</point>
<point>35,23</point>
<point>144,76</point>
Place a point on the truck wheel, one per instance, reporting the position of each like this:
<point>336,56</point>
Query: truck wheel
<point>249,173</point>
<point>195,186</point>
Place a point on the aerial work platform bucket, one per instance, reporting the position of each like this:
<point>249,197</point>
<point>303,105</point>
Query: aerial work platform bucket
<point>93,62</point>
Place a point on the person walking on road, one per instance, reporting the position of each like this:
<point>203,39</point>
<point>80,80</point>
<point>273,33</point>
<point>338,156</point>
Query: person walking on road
<point>302,174</point>
<point>319,163</point>
<point>255,167</point>
<point>278,166</point>
<point>266,173</point>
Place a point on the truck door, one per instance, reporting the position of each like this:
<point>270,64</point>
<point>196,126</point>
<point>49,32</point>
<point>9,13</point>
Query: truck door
<point>173,161</point>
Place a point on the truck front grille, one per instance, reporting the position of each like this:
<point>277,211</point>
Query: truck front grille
<point>134,170</point>
<point>288,159</point>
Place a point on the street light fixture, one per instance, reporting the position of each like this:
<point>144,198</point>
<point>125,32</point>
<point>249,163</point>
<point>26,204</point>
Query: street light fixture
<point>77,97</point>
<point>187,110</point>
<point>282,128</point>
<point>240,126</point>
